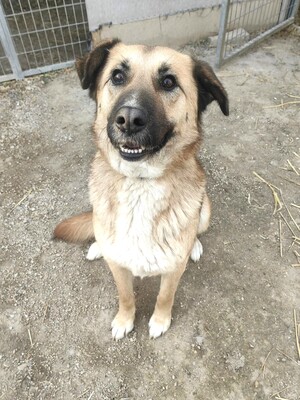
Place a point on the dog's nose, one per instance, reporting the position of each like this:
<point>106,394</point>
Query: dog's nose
<point>130,120</point>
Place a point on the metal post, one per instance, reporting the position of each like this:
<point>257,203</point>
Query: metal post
<point>295,6</point>
<point>284,10</point>
<point>222,32</point>
<point>9,47</point>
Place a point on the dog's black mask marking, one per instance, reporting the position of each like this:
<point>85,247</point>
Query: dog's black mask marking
<point>154,134</point>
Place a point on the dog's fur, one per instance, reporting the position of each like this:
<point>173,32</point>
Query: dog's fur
<point>147,186</point>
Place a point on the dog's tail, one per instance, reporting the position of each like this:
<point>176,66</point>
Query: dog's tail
<point>75,229</point>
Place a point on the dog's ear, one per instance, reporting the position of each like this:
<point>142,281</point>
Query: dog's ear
<point>209,87</point>
<point>89,66</point>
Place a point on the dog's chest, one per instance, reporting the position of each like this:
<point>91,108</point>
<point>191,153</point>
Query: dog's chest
<point>141,237</point>
<point>138,205</point>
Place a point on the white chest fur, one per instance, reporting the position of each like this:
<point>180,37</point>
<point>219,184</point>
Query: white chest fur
<point>143,239</point>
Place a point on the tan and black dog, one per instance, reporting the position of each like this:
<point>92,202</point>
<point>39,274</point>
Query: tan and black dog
<point>147,187</point>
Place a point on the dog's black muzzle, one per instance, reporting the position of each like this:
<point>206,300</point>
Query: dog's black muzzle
<point>137,126</point>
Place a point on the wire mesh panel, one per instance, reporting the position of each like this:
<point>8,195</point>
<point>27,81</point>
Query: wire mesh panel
<point>5,67</point>
<point>46,34</point>
<point>246,22</point>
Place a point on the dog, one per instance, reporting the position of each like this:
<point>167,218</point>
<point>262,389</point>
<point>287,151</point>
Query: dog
<point>147,186</point>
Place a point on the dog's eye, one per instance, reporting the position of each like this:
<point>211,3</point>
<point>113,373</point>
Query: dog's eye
<point>169,82</point>
<point>118,77</point>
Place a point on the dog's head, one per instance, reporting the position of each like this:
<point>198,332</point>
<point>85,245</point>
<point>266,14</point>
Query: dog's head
<point>149,102</point>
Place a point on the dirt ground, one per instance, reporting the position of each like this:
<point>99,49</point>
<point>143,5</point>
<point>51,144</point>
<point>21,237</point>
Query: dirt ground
<point>233,330</point>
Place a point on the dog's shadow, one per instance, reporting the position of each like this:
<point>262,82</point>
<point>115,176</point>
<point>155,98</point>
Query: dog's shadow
<point>146,291</point>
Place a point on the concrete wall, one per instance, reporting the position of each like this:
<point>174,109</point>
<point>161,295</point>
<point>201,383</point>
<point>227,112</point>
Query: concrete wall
<point>103,12</point>
<point>172,23</point>
<point>174,30</point>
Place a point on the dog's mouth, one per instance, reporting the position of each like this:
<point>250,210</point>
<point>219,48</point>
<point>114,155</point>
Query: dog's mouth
<point>132,152</point>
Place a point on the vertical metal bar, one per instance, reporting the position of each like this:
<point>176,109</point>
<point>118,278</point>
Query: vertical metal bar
<point>19,34</point>
<point>3,72</point>
<point>275,10</point>
<point>61,31</point>
<point>83,20</point>
<point>258,15</point>
<point>46,35</point>
<point>246,21</point>
<point>36,30</point>
<point>237,13</point>
<point>263,16</point>
<point>273,18</point>
<point>28,34</point>
<point>284,10</point>
<point>53,31</point>
<point>230,25</point>
<point>9,47</point>
<point>233,24</point>
<point>289,8</point>
<point>294,8</point>
<point>270,13</point>
<point>69,30</point>
<point>76,22</point>
<point>84,27</point>
<point>241,23</point>
<point>229,20</point>
<point>222,32</point>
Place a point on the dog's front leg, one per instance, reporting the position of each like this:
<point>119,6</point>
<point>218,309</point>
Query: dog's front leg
<point>204,218</point>
<point>124,320</point>
<point>161,319</point>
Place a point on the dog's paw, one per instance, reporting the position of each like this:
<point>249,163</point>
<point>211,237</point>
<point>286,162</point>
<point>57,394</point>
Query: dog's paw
<point>197,251</point>
<point>94,252</point>
<point>158,326</point>
<point>121,327</point>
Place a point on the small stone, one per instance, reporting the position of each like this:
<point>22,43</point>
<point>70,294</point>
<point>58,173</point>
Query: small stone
<point>199,340</point>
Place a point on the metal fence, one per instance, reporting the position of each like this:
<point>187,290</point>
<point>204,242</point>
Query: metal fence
<point>40,35</point>
<point>245,23</point>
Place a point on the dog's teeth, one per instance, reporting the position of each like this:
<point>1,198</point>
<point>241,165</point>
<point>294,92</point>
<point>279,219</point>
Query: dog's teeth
<point>132,151</point>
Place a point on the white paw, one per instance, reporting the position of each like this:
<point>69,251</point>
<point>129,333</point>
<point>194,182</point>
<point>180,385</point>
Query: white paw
<point>121,328</point>
<point>94,252</point>
<point>197,251</point>
<point>157,328</point>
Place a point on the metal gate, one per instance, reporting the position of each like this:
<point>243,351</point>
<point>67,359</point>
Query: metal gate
<point>38,36</point>
<point>245,23</point>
